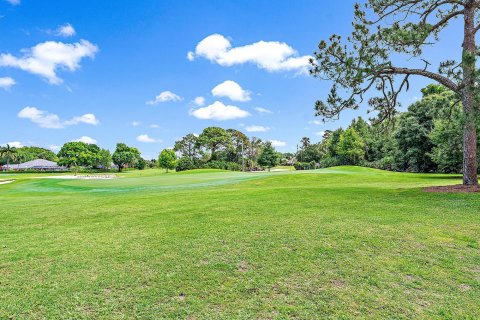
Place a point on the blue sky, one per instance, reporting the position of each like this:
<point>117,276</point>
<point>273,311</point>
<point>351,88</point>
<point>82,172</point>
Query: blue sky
<point>120,71</point>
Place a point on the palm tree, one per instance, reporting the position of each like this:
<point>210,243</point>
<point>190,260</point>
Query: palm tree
<point>305,142</point>
<point>9,153</point>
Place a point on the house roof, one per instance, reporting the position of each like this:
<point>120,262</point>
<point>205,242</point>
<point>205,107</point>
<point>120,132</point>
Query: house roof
<point>37,163</point>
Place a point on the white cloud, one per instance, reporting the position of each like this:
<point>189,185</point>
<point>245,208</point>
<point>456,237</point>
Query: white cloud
<point>135,123</point>
<point>13,2</point>
<point>199,101</point>
<point>54,148</point>
<point>268,55</point>
<point>320,133</point>
<point>46,58</point>
<point>219,111</point>
<point>165,96</point>
<point>7,82</point>
<point>257,128</point>
<point>14,144</point>
<point>232,90</point>
<point>316,122</point>
<point>146,139</point>
<point>85,139</point>
<point>88,118</point>
<point>48,120</point>
<point>263,110</point>
<point>154,126</point>
<point>65,30</point>
<point>278,143</point>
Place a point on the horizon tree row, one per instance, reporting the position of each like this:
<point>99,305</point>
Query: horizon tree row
<point>214,148</point>
<point>425,138</point>
<point>228,149</point>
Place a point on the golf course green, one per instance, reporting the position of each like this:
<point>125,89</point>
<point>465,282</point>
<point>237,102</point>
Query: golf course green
<point>345,242</point>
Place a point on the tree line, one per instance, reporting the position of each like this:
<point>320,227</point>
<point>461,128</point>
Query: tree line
<point>425,138</point>
<point>229,149</point>
<point>364,61</point>
<point>214,148</point>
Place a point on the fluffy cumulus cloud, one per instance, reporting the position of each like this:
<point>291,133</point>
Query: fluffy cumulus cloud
<point>257,128</point>
<point>231,90</point>
<point>278,143</point>
<point>7,82</point>
<point>320,133</point>
<point>145,138</point>
<point>263,110</point>
<point>165,96</point>
<point>220,112</point>
<point>48,120</point>
<point>199,101</point>
<point>66,30</point>
<point>85,139</point>
<point>268,55</point>
<point>46,58</point>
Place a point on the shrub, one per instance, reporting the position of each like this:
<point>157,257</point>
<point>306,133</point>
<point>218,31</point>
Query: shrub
<point>330,162</point>
<point>305,165</point>
<point>233,166</point>
<point>185,163</point>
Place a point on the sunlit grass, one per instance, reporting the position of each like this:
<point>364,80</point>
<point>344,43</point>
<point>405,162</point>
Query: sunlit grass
<point>334,243</point>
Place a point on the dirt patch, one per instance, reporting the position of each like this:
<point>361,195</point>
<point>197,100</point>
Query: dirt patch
<point>181,296</point>
<point>464,287</point>
<point>339,284</point>
<point>458,188</point>
<point>243,266</point>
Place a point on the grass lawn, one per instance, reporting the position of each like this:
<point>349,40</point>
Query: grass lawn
<point>336,243</point>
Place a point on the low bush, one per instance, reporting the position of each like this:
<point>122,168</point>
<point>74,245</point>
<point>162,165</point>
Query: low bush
<point>186,163</point>
<point>305,165</point>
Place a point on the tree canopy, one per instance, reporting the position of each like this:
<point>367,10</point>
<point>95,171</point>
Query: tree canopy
<point>213,139</point>
<point>387,28</point>
<point>76,154</point>
<point>268,157</point>
<point>125,156</point>
<point>167,159</point>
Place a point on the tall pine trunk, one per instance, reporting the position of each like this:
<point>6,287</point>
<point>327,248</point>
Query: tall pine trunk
<point>468,98</point>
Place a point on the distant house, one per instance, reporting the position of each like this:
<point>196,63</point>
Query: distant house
<point>38,164</point>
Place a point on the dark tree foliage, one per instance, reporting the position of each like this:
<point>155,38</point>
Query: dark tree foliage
<point>141,164</point>
<point>217,148</point>
<point>78,154</point>
<point>238,146</point>
<point>125,156</point>
<point>268,157</point>
<point>384,28</point>
<point>187,146</point>
<point>214,139</point>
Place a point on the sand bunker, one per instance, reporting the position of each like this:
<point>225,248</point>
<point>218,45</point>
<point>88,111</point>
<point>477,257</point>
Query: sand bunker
<point>6,181</point>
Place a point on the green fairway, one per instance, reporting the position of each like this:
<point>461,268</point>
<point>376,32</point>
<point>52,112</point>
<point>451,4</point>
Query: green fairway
<point>345,242</point>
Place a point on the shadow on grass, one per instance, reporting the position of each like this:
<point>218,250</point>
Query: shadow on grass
<point>436,177</point>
